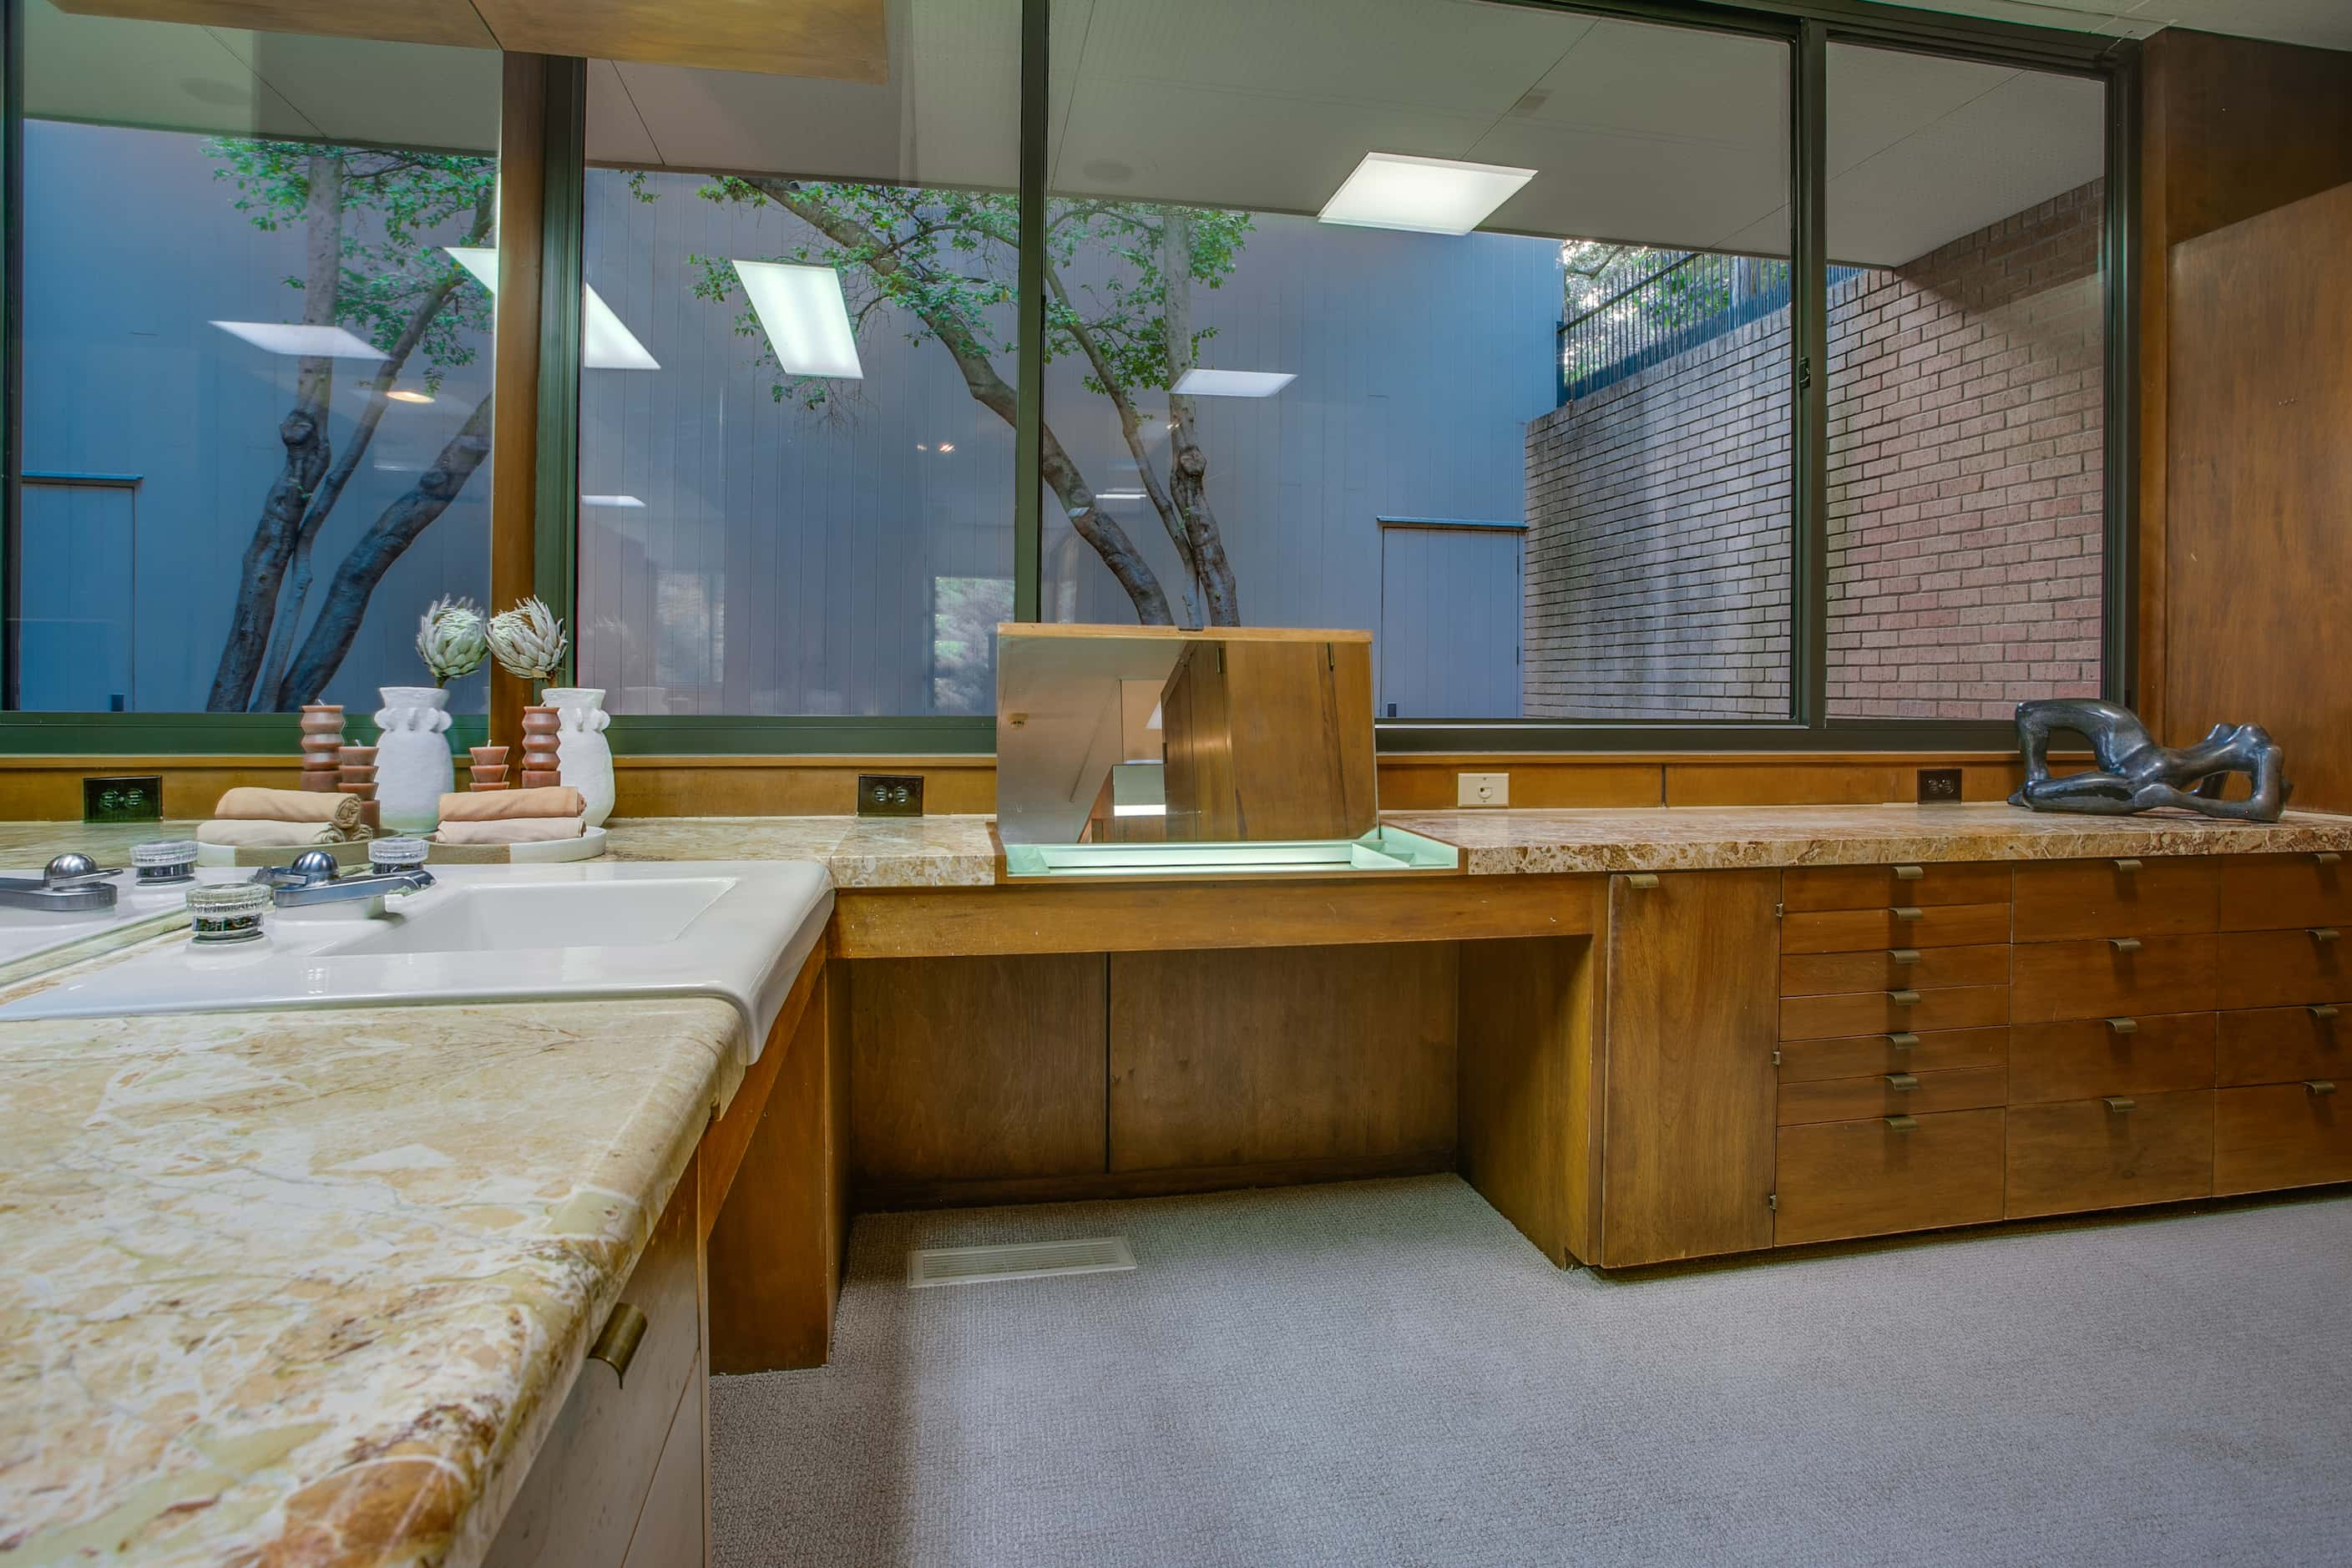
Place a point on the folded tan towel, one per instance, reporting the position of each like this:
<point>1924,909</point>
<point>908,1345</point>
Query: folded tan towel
<point>246,833</point>
<point>521,830</point>
<point>251,804</point>
<point>506,805</point>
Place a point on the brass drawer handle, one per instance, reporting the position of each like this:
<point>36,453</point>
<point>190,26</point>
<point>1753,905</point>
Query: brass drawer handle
<point>1902,955</point>
<point>1904,998</point>
<point>1902,1040</point>
<point>1902,1082</point>
<point>2126,866</point>
<point>1908,912</point>
<point>2123,1026</point>
<point>2124,943</point>
<point>2326,857</point>
<point>2118,1104</point>
<point>1642,879</point>
<point>2323,933</point>
<point>1909,873</point>
<point>1901,1123</point>
<point>617,1347</point>
<point>2325,1012</point>
<point>2320,1085</point>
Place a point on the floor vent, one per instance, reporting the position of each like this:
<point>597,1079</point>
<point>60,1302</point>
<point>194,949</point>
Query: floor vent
<point>1016,1260</point>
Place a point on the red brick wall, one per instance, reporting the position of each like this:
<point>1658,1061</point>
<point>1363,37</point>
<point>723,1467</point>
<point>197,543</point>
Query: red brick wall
<point>1964,489</point>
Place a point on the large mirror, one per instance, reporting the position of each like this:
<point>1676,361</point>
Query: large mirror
<point>1139,735</point>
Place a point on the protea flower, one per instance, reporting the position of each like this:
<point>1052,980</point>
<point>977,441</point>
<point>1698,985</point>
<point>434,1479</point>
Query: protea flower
<point>449,640</point>
<point>528,640</point>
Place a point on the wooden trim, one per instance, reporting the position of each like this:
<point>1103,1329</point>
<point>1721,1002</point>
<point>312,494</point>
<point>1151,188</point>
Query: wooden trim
<point>938,921</point>
<point>1071,631</point>
<point>514,413</point>
<point>873,1196</point>
<point>892,763</point>
<point>730,1133</point>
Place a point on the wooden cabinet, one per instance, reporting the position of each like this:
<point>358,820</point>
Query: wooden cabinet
<point>1895,926</point>
<point>1885,1012</point>
<point>2110,1152</point>
<point>1687,1140</point>
<point>1874,1177</point>
<point>2090,1057</point>
<point>2264,893</point>
<point>1893,969</point>
<point>2286,968</point>
<point>2111,976</point>
<point>2280,1135</point>
<point>2283,1045</point>
<point>1898,1093</point>
<point>2058,899</point>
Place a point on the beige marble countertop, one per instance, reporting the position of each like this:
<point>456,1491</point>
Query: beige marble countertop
<point>1686,838</point>
<point>302,1288</point>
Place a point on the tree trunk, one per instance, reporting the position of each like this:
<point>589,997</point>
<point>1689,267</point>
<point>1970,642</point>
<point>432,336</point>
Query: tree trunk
<point>1087,519</point>
<point>393,530</point>
<point>304,434</point>
<point>1188,465</point>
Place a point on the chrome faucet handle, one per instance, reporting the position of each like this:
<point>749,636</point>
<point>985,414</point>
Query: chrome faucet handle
<point>72,868</point>
<point>314,867</point>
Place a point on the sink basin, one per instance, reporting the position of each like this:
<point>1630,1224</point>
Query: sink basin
<point>33,939</point>
<point>737,930</point>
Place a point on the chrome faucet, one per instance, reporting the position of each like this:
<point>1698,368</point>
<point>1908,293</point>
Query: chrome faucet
<point>313,879</point>
<point>71,884</point>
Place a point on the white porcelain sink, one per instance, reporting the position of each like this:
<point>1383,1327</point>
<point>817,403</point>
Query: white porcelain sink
<point>30,935</point>
<point>738,930</point>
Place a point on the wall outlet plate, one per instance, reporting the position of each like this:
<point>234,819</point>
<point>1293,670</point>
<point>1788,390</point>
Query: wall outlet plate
<point>1939,786</point>
<point>889,794</point>
<point>1481,789</point>
<point>130,798</point>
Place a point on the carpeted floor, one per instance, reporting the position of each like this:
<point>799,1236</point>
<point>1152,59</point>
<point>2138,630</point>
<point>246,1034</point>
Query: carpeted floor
<point>1384,1373</point>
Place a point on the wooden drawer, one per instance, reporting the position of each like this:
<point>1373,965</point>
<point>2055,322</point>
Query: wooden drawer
<point>1893,969</point>
<point>2282,1044</point>
<point>1877,887</point>
<point>1899,926</point>
<point>579,1506</point>
<point>2262,892</point>
<point>2280,1135</point>
<point>1871,1178</point>
<point>2087,1058</point>
<point>1897,1093</point>
<point>2059,900</point>
<point>1888,1012</point>
<point>2105,1154</point>
<point>2054,980</point>
<point>2286,968</point>
<point>1859,1056</point>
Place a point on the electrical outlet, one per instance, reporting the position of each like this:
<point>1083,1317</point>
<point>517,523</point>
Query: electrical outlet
<point>137,798</point>
<point>1939,786</point>
<point>1481,789</point>
<point>889,794</point>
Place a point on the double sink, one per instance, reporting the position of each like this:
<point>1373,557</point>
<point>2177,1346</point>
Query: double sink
<point>736,931</point>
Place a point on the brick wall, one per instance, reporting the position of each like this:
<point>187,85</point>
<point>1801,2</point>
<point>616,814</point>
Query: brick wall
<point>1965,495</point>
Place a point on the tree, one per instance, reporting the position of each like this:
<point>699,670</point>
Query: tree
<point>1120,280</point>
<point>372,223</point>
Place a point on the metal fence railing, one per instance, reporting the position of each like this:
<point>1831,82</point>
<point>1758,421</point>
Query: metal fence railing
<point>1670,301</point>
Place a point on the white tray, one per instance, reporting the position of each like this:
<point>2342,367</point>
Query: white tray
<point>547,852</point>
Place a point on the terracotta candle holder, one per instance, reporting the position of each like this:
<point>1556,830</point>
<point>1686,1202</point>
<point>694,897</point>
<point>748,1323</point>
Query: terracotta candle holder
<point>355,770</point>
<point>489,767</point>
<point>542,768</point>
<point>322,740</point>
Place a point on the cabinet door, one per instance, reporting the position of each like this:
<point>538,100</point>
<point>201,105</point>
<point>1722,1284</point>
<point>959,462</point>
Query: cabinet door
<point>1693,996</point>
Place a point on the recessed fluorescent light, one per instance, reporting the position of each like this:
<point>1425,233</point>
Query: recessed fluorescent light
<point>1118,495</point>
<point>1425,195</point>
<point>1141,808</point>
<point>807,320</point>
<point>606,343</point>
<point>402,395</point>
<point>611,500</point>
<point>299,342</point>
<point>1199,383</point>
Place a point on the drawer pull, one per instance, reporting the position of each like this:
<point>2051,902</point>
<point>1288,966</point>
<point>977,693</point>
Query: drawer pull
<point>2323,933</point>
<point>617,1347</point>
<point>1904,998</point>
<point>2124,943</point>
<point>2118,1104</point>
<point>2123,1026</point>
<point>1908,912</point>
<point>1901,1123</point>
<point>1902,955</point>
<point>1642,879</point>
<point>1903,1040</point>
<point>2325,1012</point>
<point>2326,857</point>
<point>2126,866</point>
<point>1909,873</point>
<point>1902,1082</point>
<point>2320,1085</point>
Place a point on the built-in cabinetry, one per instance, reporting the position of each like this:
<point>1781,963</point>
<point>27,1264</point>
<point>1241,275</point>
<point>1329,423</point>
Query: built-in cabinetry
<point>1957,1044</point>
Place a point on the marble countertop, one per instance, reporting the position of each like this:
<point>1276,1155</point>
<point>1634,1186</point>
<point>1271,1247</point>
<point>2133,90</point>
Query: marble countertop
<point>301,1288</point>
<point>1690,838</point>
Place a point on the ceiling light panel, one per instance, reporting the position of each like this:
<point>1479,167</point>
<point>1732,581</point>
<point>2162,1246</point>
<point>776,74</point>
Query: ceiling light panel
<point>807,320</point>
<point>1200,382</point>
<point>605,340</point>
<point>299,342</point>
<point>1422,195</point>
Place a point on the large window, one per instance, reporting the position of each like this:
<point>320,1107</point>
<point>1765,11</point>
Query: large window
<point>798,395</point>
<point>256,372</point>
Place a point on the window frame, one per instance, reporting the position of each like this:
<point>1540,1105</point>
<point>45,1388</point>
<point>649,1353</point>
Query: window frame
<point>1806,26</point>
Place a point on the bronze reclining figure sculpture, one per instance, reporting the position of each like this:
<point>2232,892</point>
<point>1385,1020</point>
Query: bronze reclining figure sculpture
<point>2136,774</point>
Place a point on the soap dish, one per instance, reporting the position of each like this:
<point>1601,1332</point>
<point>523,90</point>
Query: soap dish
<point>547,852</point>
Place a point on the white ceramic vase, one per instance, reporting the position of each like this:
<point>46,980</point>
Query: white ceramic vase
<point>584,755</point>
<point>413,766</point>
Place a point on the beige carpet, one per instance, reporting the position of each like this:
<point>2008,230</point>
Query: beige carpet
<point>1385,1373</point>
